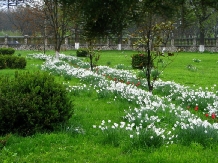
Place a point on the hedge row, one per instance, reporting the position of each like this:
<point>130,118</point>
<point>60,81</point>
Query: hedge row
<point>7,51</point>
<point>82,52</point>
<point>12,62</point>
<point>139,61</point>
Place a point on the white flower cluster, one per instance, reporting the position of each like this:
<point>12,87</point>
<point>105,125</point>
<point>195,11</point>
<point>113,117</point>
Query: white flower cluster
<point>157,114</point>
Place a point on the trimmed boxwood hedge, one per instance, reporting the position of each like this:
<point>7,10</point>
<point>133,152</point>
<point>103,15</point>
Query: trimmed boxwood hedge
<point>139,61</point>
<point>12,62</point>
<point>32,102</point>
<point>82,52</point>
<point>7,51</point>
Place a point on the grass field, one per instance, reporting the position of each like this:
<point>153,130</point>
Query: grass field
<point>204,76</point>
<point>79,141</point>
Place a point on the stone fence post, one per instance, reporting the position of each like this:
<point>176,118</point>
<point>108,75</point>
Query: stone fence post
<point>45,40</point>
<point>26,39</point>
<point>172,42</point>
<point>217,41</point>
<point>66,40</point>
<point>6,40</point>
<point>108,42</point>
<point>194,42</point>
<point>129,42</point>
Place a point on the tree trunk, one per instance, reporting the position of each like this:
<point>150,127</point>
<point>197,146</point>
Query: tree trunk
<point>202,31</point>
<point>149,64</point>
<point>91,61</point>
<point>57,54</point>
<point>120,41</point>
<point>76,37</point>
<point>91,55</point>
<point>57,48</point>
<point>148,71</point>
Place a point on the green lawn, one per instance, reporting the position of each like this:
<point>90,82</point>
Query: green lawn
<point>86,145</point>
<point>205,74</point>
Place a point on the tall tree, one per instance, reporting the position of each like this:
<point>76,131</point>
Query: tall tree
<point>203,10</point>
<point>58,20</point>
<point>25,19</point>
<point>185,19</point>
<point>154,28</point>
<point>106,17</point>
<point>77,20</point>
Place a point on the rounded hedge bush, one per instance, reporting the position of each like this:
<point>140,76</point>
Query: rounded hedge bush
<point>7,51</point>
<point>12,62</point>
<point>32,102</point>
<point>82,52</point>
<point>139,61</point>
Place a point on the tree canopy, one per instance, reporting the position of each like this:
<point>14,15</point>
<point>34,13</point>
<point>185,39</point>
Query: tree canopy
<point>106,17</point>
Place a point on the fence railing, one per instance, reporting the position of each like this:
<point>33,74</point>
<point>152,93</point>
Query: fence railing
<point>49,41</point>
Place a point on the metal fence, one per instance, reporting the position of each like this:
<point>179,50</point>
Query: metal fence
<point>70,41</point>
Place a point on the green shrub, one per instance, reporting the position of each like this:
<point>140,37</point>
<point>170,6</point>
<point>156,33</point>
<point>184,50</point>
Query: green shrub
<point>3,63</point>
<point>7,51</point>
<point>141,74</point>
<point>82,52</point>
<point>32,102</point>
<point>12,62</point>
<point>139,61</point>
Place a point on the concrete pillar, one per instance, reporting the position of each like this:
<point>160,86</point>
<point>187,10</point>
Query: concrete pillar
<point>108,42</point>
<point>201,48</point>
<point>6,40</point>
<point>194,42</point>
<point>46,40</point>
<point>129,42</point>
<point>26,39</point>
<point>66,40</point>
<point>172,40</point>
<point>217,41</point>
<point>119,47</point>
<point>76,45</point>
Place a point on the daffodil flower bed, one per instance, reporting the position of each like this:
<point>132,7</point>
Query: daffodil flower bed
<point>176,114</point>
